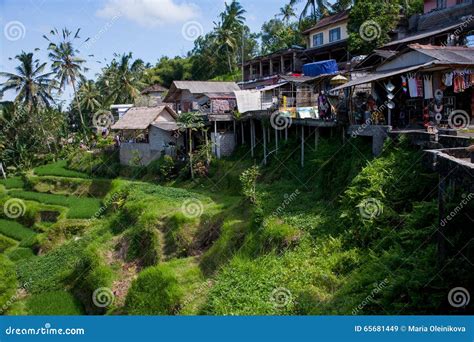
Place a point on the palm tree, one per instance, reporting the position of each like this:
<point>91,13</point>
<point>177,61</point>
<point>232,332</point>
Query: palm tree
<point>287,12</point>
<point>319,8</point>
<point>89,96</point>
<point>123,78</point>
<point>66,65</point>
<point>229,30</point>
<point>33,87</point>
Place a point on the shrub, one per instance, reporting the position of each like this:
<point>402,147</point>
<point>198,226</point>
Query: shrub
<point>102,163</point>
<point>8,282</point>
<point>248,178</point>
<point>53,303</point>
<point>163,168</point>
<point>20,253</point>
<point>144,245</point>
<point>15,230</point>
<point>90,274</point>
<point>154,292</point>
<point>179,233</point>
<point>6,243</point>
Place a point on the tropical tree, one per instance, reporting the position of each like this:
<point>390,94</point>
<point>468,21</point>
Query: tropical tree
<point>66,64</point>
<point>122,79</point>
<point>32,85</point>
<point>313,8</point>
<point>189,122</point>
<point>287,12</point>
<point>89,96</point>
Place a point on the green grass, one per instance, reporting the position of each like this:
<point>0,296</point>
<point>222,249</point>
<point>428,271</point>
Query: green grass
<point>53,303</point>
<point>58,169</point>
<point>19,253</point>
<point>13,183</point>
<point>79,207</point>
<point>15,230</point>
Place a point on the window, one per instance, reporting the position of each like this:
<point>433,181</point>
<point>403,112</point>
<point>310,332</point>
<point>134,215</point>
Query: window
<point>335,34</point>
<point>318,39</point>
<point>440,4</point>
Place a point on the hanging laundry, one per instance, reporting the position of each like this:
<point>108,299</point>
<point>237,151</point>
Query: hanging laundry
<point>404,84</point>
<point>412,87</point>
<point>448,79</point>
<point>428,86</point>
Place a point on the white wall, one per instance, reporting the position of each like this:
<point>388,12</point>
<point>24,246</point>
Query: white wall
<point>325,31</point>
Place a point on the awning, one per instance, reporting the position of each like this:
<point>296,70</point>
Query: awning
<point>380,76</point>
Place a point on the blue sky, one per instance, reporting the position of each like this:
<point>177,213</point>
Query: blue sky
<point>148,28</point>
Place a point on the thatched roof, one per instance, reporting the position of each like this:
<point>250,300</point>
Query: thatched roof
<point>139,118</point>
<point>199,87</point>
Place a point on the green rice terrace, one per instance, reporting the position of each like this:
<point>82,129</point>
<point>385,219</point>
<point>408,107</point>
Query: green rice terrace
<point>276,239</point>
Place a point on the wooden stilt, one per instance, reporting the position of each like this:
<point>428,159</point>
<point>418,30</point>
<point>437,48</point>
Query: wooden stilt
<point>235,132</point>
<point>252,137</point>
<point>276,141</point>
<point>215,137</point>
<point>302,146</point>
<point>316,138</point>
<point>286,133</point>
<point>264,145</point>
<point>242,132</point>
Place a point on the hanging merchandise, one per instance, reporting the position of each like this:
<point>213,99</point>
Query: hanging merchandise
<point>419,85</point>
<point>428,86</point>
<point>426,116</point>
<point>323,105</point>
<point>448,79</point>
<point>404,84</point>
<point>459,84</point>
<point>412,87</point>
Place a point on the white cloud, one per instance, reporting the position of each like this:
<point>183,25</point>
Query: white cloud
<point>149,12</point>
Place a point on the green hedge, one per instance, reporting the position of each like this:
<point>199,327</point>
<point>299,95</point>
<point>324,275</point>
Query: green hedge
<point>53,303</point>
<point>154,292</point>
<point>15,230</point>
<point>79,207</point>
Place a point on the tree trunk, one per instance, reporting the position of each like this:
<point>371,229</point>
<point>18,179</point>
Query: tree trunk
<point>80,111</point>
<point>191,153</point>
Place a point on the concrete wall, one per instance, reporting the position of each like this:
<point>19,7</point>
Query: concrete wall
<point>325,31</point>
<point>224,145</point>
<point>148,152</point>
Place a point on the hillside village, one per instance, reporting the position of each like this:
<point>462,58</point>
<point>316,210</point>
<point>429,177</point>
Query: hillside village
<point>317,179</point>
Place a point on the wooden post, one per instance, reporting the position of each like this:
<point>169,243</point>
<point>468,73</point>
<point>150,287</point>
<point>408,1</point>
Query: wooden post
<point>316,137</point>
<point>242,132</point>
<point>215,137</point>
<point>443,222</point>
<point>302,146</point>
<point>286,133</point>
<point>252,137</point>
<point>235,132</point>
<point>276,141</point>
<point>264,144</point>
<point>268,134</point>
<point>343,135</point>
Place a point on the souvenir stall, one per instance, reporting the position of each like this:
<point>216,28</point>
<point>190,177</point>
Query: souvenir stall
<point>426,87</point>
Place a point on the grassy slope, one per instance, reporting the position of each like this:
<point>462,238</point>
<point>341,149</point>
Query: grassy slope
<point>58,169</point>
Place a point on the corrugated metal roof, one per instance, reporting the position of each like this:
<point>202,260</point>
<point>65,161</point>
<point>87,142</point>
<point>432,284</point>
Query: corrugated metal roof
<point>344,15</point>
<point>201,87</point>
<point>446,54</point>
<point>141,117</point>
<point>154,88</point>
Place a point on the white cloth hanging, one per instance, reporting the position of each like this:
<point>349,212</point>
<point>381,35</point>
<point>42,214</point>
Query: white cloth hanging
<point>428,86</point>
<point>448,79</point>
<point>412,86</point>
